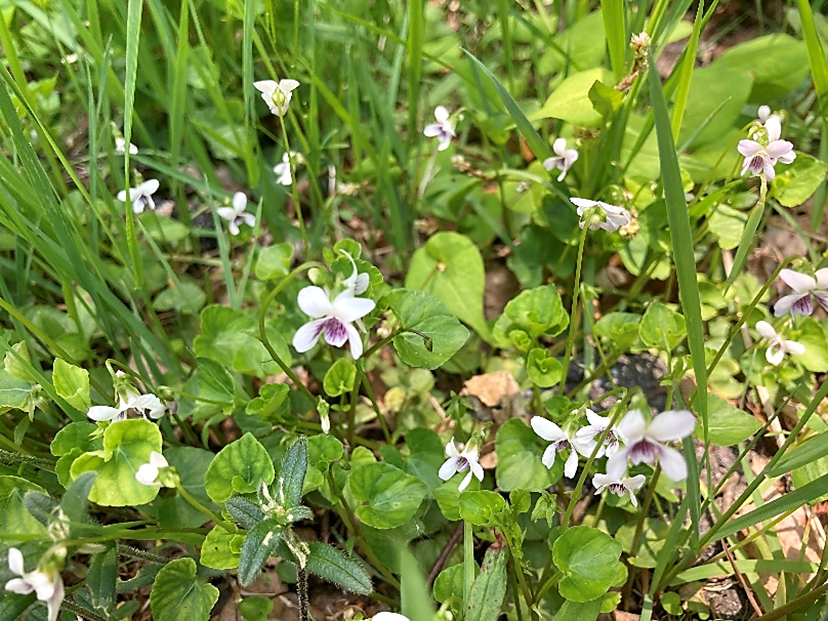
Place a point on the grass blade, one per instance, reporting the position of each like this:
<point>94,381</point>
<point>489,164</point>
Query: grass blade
<point>616,33</point>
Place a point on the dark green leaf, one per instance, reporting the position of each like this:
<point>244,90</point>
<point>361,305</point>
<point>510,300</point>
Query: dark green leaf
<point>256,549</point>
<point>335,566</point>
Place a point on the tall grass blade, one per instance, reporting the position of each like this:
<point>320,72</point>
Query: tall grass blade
<point>686,73</point>
<point>615,28</point>
<point>416,29</point>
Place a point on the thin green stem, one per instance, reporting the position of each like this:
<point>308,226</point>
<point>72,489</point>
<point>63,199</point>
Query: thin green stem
<point>295,192</point>
<point>570,339</point>
<point>468,562</point>
<point>230,528</point>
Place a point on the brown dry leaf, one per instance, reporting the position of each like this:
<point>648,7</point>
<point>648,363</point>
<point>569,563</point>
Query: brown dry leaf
<point>626,616</point>
<point>492,388</point>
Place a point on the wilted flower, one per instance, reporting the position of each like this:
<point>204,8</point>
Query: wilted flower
<point>335,318</point>
<point>761,158</point>
<point>564,158</point>
<point>804,286</point>
<point>645,442</point>
<point>778,346</point>
<point>460,461</point>
<point>120,147</point>
<point>141,196</point>
<point>277,95</point>
<point>443,129</point>
<point>283,172</point>
<point>601,215</point>
<point>236,214</point>
<point>585,437</point>
<point>47,584</point>
<point>148,473</point>
<point>619,486</point>
<point>560,440</point>
<point>146,405</point>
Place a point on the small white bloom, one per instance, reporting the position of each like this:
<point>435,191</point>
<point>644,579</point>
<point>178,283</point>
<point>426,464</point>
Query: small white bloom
<point>601,215</point>
<point>585,437</point>
<point>619,486</point>
<point>564,158</point>
<point>443,129</point>
<point>236,214</point>
<point>761,159</point>
<point>283,173</point>
<point>48,586</point>
<point>804,286</point>
<point>141,196</point>
<point>778,346</point>
<point>389,616</point>
<point>334,318</point>
<point>764,113</point>
<point>645,442</point>
<point>277,95</point>
<point>148,473</point>
<point>561,442</point>
<point>357,283</point>
<point>146,405</point>
<point>120,146</point>
<point>459,461</point>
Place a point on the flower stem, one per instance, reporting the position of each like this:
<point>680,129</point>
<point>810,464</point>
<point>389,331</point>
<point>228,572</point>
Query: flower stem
<point>230,528</point>
<point>570,338</point>
<point>295,191</point>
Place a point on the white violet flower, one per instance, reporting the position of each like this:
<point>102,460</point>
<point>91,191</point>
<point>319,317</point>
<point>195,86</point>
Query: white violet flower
<point>357,283</point>
<point>146,405</point>
<point>804,287</point>
<point>619,486</point>
<point>148,473</point>
<point>586,437</point>
<point>120,146</point>
<point>47,585</point>
<point>236,214</point>
<point>389,616</point>
<point>443,129</point>
<point>778,346</point>
<point>764,113</point>
<point>277,95</point>
<point>560,440</point>
<point>601,215</point>
<point>334,318</point>
<point>283,172</point>
<point>645,442</point>
<point>564,158</point>
<point>760,158</point>
<point>460,461</point>
<point>141,196</point>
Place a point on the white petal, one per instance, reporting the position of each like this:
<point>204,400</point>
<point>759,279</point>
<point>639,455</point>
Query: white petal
<point>430,131</point>
<point>546,429</point>
<point>448,469</point>
<point>445,142</point>
<point>288,85</point>
<point>672,463</point>
<point>822,278</point>
<point>793,347</point>
<point>266,87</point>
<point>121,196</point>
<point>349,308</point>
<point>389,616</point>
<point>749,148</point>
<point>16,561</point>
<point>19,586</point>
<point>559,146</point>
<point>314,302</point>
<point>441,113</point>
<point>239,202</point>
<point>801,283</point>
<point>55,600</point>
<point>774,354</point>
<point>571,465</point>
<point>671,425</point>
<point>354,341</point>
<point>233,227</point>
<point>147,474</point>
<point>227,213</point>
<point>465,482</point>
<point>774,128</point>
<point>158,460</point>
<point>549,455</point>
<point>779,149</point>
<point>601,481</point>
<point>766,330</point>
<point>149,187</point>
<point>763,113</point>
<point>583,203</point>
<point>784,305</point>
<point>632,426</point>
<point>617,465</point>
<point>102,412</point>
<point>451,449</point>
<point>306,336</point>
<point>597,420</point>
<point>476,469</point>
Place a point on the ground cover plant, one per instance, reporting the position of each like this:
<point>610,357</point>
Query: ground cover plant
<point>413,310</point>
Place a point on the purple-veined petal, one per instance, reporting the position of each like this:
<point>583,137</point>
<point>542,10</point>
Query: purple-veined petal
<point>335,332</point>
<point>632,426</point>
<point>822,298</point>
<point>801,283</point>
<point>314,302</point>
<point>546,429</point>
<point>768,169</point>
<point>672,463</point>
<point>306,336</point>
<point>19,586</point>
<point>671,425</point>
<point>785,304</point>
<point>430,131</point>
<point>600,482</point>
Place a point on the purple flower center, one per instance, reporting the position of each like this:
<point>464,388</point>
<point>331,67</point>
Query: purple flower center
<point>757,164</point>
<point>643,450</point>
<point>803,305</point>
<point>462,464</point>
<point>618,489</point>
<point>561,445</point>
<point>335,332</point>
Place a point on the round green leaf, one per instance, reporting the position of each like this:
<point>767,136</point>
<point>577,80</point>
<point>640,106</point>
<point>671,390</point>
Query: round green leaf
<point>588,558</point>
<point>519,466</point>
<point>482,508</point>
<point>386,497</point>
<point>340,378</point>
<point>80,434</point>
<point>728,424</point>
<point>427,315</point>
<point>530,315</point>
<point>274,261</point>
<point>126,447</point>
<point>71,383</point>
<point>239,468</point>
<point>544,370</point>
<point>662,327</point>
<point>178,595</point>
<point>450,267</point>
<point>221,550</point>
<point>449,583</point>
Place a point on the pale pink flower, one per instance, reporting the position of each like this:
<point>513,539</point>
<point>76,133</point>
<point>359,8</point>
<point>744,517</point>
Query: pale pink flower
<point>443,129</point>
<point>47,585</point>
<point>564,158</point>
<point>760,159</point>
<point>619,486</point>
